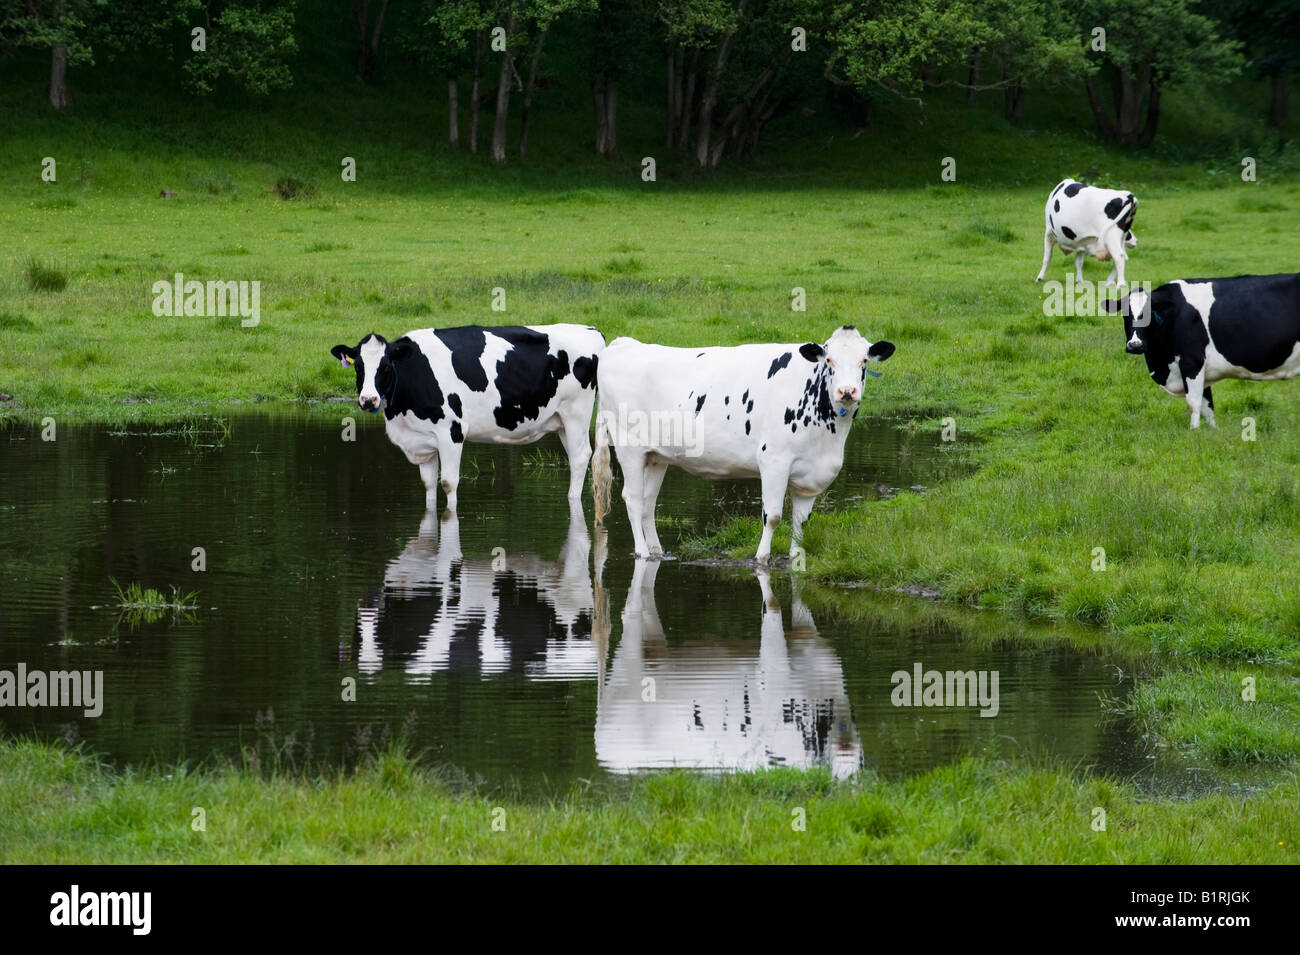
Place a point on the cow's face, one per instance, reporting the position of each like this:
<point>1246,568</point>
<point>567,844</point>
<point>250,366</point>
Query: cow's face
<point>845,356</point>
<point>1136,309</point>
<point>374,369</point>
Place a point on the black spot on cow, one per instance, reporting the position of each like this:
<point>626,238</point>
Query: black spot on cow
<point>466,346</point>
<point>1073,189</point>
<point>406,382</point>
<point>746,427</point>
<point>763,448</point>
<point>794,428</point>
<point>1113,207</point>
<point>699,403</point>
<point>457,436</point>
<point>453,402</point>
<point>1058,188</point>
<point>726,399</point>
<point>789,415</point>
<point>1057,205</point>
<point>584,369</point>
<point>700,355</point>
<point>1067,232</point>
<point>745,396</point>
<point>1050,224</point>
<point>749,409</point>
<point>778,364</point>
<point>526,377</point>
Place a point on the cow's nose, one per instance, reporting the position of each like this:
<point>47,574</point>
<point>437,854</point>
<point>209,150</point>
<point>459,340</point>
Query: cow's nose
<point>1134,347</point>
<point>848,394</point>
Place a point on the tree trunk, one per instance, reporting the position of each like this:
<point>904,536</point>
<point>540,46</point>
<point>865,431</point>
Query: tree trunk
<point>709,100</point>
<point>1104,122</point>
<point>1280,107</point>
<point>973,78</point>
<point>499,128</point>
<point>605,91</point>
<point>361,8</point>
<point>526,114</point>
<point>59,96</point>
<point>453,111</point>
<point>688,103</point>
<point>1013,102</point>
<point>672,67</point>
<point>1148,134</point>
<point>475,90</point>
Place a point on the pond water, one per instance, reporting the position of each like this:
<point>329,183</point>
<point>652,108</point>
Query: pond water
<point>514,645</point>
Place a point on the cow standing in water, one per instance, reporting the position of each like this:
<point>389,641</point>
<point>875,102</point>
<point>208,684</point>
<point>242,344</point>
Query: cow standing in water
<point>779,413</point>
<point>440,388</point>
<point>1088,221</point>
<point>1194,332</point>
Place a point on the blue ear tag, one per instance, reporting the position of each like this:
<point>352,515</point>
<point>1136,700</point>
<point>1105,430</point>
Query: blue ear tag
<point>1156,316</point>
<point>874,374</point>
<point>843,412</point>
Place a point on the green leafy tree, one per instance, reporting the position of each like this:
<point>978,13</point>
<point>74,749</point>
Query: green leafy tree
<point>1024,40</point>
<point>60,26</point>
<point>1149,46</point>
<point>1270,32</point>
<point>249,43</point>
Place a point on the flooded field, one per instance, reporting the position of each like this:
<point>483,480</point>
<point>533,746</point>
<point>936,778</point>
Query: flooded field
<point>514,645</point>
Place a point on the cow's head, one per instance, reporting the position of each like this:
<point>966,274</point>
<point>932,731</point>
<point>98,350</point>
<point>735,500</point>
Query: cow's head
<point>845,356</point>
<point>1140,320</point>
<point>374,359</point>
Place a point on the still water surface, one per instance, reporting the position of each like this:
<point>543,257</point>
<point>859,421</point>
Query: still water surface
<point>514,645</point>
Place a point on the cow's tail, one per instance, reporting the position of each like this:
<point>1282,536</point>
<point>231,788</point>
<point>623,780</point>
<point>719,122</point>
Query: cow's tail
<point>602,477</point>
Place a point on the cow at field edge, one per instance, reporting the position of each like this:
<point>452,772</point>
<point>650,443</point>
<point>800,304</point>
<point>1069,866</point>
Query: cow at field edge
<point>1194,332</point>
<point>440,388</point>
<point>780,413</point>
<point>1088,221</point>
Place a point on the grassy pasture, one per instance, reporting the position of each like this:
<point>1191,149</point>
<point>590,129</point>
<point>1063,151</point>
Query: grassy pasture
<point>1076,448</point>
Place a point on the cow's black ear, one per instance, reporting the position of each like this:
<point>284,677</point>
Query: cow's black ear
<point>811,352</point>
<point>1113,306</point>
<point>343,353</point>
<point>880,351</point>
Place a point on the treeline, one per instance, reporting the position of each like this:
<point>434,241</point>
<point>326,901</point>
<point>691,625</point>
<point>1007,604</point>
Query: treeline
<point>729,67</point>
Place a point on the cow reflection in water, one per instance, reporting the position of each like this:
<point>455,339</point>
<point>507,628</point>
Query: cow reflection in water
<point>439,610</point>
<point>723,704</point>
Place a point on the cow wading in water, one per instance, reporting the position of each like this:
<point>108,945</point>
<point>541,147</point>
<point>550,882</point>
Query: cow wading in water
<point>439,388</point>
<point>780,413</point>
<point>1088,221</point>
<point>1194,332</point>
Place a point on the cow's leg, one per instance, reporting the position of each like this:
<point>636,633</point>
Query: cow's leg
<point>451,472</point>
<point>1115,246</point>
<point>800,508</point>
<point>654,480</point>
<point>1195,391</point>
<point>577,445</point>
<point>775,475</point>
<point>1078,266</point>
<point>1048,242</point>
<point>429,475</point>
<point>632,461</point>
<point>1207,407</point>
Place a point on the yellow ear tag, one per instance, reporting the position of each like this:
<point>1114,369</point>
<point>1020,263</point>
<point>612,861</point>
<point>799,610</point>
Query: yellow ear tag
<point>345,361</point>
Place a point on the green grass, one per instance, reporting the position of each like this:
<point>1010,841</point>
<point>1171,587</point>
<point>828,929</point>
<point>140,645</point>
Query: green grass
<point>138,604</point>
<point>58,806</point>
<point>1073,447</point>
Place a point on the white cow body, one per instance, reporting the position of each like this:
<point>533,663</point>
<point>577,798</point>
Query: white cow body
<point>1086,220</point>
<point>779,413</point>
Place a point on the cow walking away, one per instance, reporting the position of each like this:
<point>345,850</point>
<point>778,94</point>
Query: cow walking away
<point>1088,221</point>
<point>440,388</point>
<point>1194,332</point>
<point>779,413</point>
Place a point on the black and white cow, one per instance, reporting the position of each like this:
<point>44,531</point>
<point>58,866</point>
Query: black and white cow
<point>1194,332</point>
<point>440,388</point>
<point>780,413</point>
<point>1087,221</point>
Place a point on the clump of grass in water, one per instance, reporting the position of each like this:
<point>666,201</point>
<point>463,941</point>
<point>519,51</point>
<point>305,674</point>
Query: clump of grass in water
<point>544,458</point>
<point>45,276</point>
<point>144,604</point>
